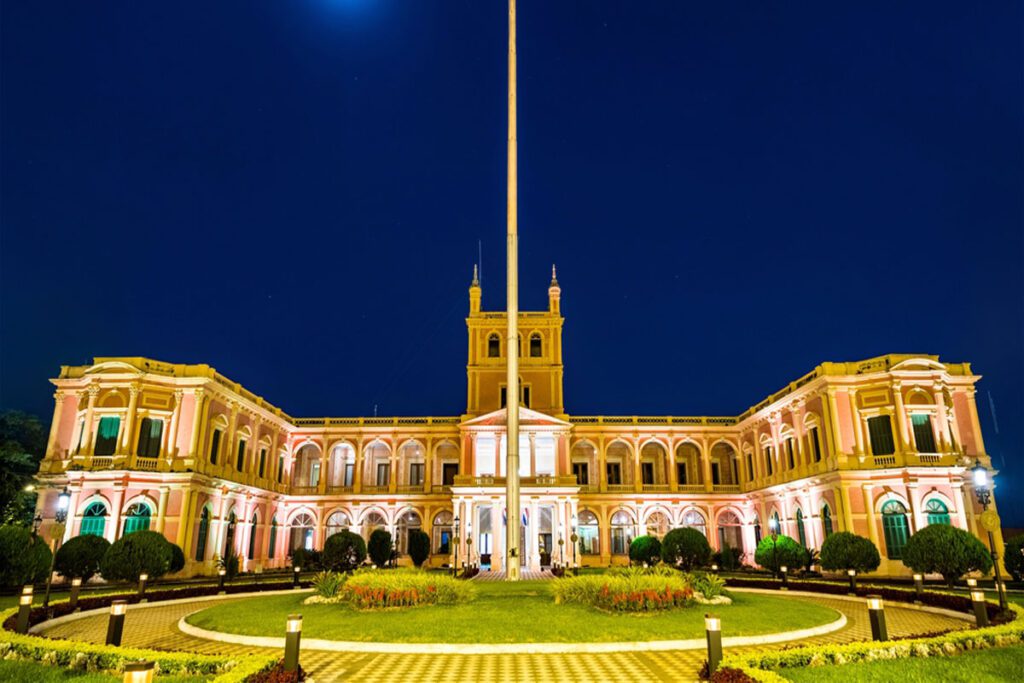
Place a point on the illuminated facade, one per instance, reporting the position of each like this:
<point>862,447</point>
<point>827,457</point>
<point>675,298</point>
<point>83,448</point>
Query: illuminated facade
<point>879,447</point>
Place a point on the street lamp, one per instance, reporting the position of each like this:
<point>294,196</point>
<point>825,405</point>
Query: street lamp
<point>773,527</point>
<point>60,518</point>
<point>469,543</point>
<point>982,491</point>
<point>455,543</point>
<point>575,539</point>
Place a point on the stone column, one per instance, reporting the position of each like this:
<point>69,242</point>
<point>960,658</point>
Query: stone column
<point>532,436</point>
<point>533,535</point>
<point>116,502</point>
<point>74,519</point>
<point>637,475</point>
<point>183,538</point>
<point>602,466</point>
<point>705,463</point>
<point>58,412</point>
<point>869,511</point>
<point>673,475</point>
<point>198,423</point>
<point>900,416</point>
<point>90,416</point>
<point>858,427</point>
<point>172,432</point>
<point>942,419</point>
<point>393,474</point>
<point>428,479</point>
<point>161,509</point>
<point>357,483</point>
<point>128,435</point>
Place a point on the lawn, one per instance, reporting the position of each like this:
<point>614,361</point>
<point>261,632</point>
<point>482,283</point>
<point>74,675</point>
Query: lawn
<point>986,666</point>
<point>31,672</point>
<point>521,612</point>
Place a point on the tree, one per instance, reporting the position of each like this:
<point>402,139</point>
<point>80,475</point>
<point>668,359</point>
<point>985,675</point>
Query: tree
<point>645,550</point>
<point>782,551</point>
<point>1014,557</point>
<point>343,551</point>
<point>947,550</point>
<point>22,446</point>
<point>686,548</point>
<point>24,557</point>
<point>177,559</point>
<point>419,546</point>
<point>843,551</point>
<point>140,552</point>
<point>229,563</point>
<point>379,547</point>
<point>80,557</point>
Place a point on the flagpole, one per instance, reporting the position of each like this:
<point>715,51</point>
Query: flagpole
<point>513,551</point>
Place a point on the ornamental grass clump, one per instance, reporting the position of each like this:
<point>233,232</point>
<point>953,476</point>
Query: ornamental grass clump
<point>635,592</point>
<point>376,589</point>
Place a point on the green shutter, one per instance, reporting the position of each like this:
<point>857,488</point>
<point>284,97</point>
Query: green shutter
<point>880,430</point>
<point>106,435</point>
<point>826,520</point>
<point>937,512</point>
<point>137,518</point>
<point>273,538</point>
<point>894,524</point>
<point>94,521</point>
<point>924,437</point>
<point>204,530</point>
<point>800,528</point>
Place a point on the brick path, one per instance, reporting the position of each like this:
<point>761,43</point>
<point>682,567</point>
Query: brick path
<point>524,575</point>
<point>156,628</point>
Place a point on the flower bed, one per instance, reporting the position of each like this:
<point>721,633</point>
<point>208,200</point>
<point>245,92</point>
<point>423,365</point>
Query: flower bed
<point>377,589</point>
<point>629,593</point>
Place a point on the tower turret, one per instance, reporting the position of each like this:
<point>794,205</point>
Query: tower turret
<point>554,293</point>
<point>475,292</point>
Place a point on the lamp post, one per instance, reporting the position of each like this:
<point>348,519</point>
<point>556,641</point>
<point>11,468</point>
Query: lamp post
<point>76,586</point>
<point>455,544</point>
<point>575,539</point>
<point>469,543</point>
<point>980,610</point>
<point>713,631</point>
<point>852,573</point>
<point>293,634</point>
<point>115,625</point>
<point>295,576</point>
<point>784,570</point>
<point>876,614</point>
<point>221,573</point>
<point>983,492</point>
<point>773,527</point>
<point>58,534</point>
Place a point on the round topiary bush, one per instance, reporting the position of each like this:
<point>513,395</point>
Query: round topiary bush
<point>80,557</point>
<point>24,557</point>
<point>947,550</point>
<point>1013,558</point>
<point>645,550</point>
<point>419,546</point>
<point>842,551</point>
<point>343,551</point>
<point>379,547</point>
<point>140,552</point>
<point>177,559</point>
<point>783,551</point>
<point>686,548</point>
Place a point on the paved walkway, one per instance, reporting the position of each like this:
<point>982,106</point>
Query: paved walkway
<point>524,575</point>
<point>156,628</point>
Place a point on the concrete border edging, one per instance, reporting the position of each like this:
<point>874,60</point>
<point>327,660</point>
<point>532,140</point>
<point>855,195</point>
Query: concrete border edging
<point>856,598</point>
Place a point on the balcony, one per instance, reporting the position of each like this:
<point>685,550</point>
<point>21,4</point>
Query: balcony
<point>884,460</point>
<point>726,488</point>
<point>655,488</point>
<point>146,464</point>
<point>410,488</point>
<point>620,488</point>
<point>691,488</point>
<point>304,490</point>
<point>440,488</point>
<point>375,489</point>
<point>339,489</point>
<point>542,480</point>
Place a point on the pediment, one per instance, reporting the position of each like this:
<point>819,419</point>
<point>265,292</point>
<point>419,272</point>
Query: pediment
<point>527,418</point>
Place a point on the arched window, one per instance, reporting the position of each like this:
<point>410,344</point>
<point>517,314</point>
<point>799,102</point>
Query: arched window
<point>204,531</point>
<point>536,347</point>
<point>493,346</point>
<point>94,520</point>
<point>301,533</point>
<point>371,522</point>
<point>252,537</point>
<point>800,531</point>
<point>657,524</point>
<point>273,538</point>
<point>589,533</point>
<point>696,520</point>
<point>894,524</point>
<point>336,523</point>
<point>623,531</point>
<point>136,518</point>
<point>410,521</point>
<point>937,511</point>
<point>774,525</point>
<point>826,520</point>
<point>229,537</point>
<point>443,532</point>
<point>730,531</point>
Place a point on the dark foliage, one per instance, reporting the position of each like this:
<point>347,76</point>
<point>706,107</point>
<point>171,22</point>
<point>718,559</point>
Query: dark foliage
<point>1014,557</point>
<point>645,550</point>
<point>343,551</point>
<point>22,445</point>
<point>947,550</point>
<point>307,560</point>
<point>782,551</point>
<point>80,557</point>
<point>24,557</point>
<point>843,550</point>
<point>277,674</point>
<point>379,547</point>
<point>419,546</point>
<point>141,552</point>
<point>686,548</point>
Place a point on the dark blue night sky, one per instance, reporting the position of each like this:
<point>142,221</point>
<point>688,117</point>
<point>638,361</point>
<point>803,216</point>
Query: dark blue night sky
<point>294,192</point>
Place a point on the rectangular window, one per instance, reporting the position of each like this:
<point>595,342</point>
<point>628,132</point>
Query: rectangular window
<point>681,473</point>
<point>383,473</point>
<point>416,474</point>
<point>263,463</point>
<point>214,446</point>
<point>750,467</point>
<point>716,475</point>
<point>924,437</point>
<point>504,395</point>
<point>526,397</point>
<point>350,471</point>
<point>647,472</point>
<point>815,444</point>
<point>314,474</point>
<point>240,462</point>
<point>769,460</point>
<point>880,432</point>
<point>449,471</point>
<point>106,435</point>
<point>789,453</point>
<point>280,469</point>
<point>582,472</point>
<point>150,433</point>
<point>613,473</point>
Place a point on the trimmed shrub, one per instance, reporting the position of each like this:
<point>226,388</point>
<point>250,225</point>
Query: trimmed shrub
<point>947,550</point>
<point>327,584</point>
<point>636,592</point>
<point>685,548</point>
<point>343,552</point>
<point>141,552</point>
<point>1013,558</point>
<point>24,557</point>
<point>419,546</point>
<point>842,551</point>
<point>708,585</point>
<point>379,547</point>
<point>373,589</point>
<point>307,560</point>
<point>645,550</point>
<point>177,559</point>
<point>728,558</point>
<point>80,557</point>
<point>781,552</point>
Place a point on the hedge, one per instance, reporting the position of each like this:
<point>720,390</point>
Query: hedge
<point>760,665</point>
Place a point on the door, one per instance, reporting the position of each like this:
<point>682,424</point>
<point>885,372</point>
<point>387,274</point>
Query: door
<point>545,550</point>
<point>448,472</point>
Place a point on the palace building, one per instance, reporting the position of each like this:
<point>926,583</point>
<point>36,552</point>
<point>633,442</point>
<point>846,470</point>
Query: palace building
<point>880,447</point>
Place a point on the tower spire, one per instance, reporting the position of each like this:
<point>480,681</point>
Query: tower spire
<point>513,551</point>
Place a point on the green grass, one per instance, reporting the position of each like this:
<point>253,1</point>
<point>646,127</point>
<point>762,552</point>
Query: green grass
<point>521,612</point>
<point>986,666</point>
<point>32,672</point>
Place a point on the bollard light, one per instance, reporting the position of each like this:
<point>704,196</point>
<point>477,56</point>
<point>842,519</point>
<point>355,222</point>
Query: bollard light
<point>115,625</point>
<point>784,570</point>
<point>138,672</point>
<point>972,583</point>
<point>143,578</point>
<point>292,636</point>
<point>24,610</point>
<point>714,568</point>
<point>918,588</point>
<point>221,573</point>
<point>295,576</point>
<point>876,614</point>
<point>713,630</point>
<point>76,585</point>
<point>852,573</point>
<point>980,609</point>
